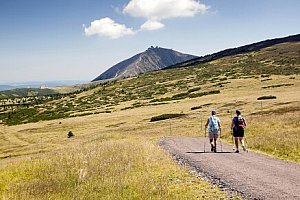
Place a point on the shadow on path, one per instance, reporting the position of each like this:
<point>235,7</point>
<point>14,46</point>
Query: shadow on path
<point>195,152</point>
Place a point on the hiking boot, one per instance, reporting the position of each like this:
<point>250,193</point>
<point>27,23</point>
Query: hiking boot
<point>215,150</point>
<point>212,148</point>
<point>244,148</point>
<point>237,151</point>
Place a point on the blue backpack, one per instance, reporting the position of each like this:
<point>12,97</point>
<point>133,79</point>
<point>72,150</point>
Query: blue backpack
<point>213,123</point>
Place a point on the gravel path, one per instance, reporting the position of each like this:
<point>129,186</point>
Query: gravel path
<point>251,175</point>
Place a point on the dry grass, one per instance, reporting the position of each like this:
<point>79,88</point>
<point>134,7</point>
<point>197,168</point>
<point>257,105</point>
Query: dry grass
<point>277,135</point>
<point>116,155</point>
<point>116,169</point>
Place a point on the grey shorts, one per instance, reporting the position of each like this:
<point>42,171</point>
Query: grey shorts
<point>213,135</point>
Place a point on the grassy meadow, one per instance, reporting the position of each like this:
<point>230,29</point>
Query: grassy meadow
<point>115,153</point>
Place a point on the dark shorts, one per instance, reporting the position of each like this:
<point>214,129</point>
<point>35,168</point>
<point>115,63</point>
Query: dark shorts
<point>238,132</point>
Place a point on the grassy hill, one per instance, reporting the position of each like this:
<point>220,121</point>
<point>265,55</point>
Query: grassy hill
<point>166,86</point>
<point>238,50</point>
<point>115,152</point>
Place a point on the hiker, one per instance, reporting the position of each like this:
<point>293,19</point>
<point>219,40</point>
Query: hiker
<point>238,128</point>
<point>214,126</point>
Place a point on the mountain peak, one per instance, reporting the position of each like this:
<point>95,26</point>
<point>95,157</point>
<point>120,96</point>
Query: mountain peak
<point>154,58</point>
<point>153,48</point>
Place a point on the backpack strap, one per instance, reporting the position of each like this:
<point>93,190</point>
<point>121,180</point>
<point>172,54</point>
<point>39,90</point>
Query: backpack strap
<point>236,121</point>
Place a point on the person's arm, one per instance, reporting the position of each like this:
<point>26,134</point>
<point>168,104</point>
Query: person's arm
<point>219,123</point>
<point>245,124</point>
<point>207,123</point>
<point>232,124</point>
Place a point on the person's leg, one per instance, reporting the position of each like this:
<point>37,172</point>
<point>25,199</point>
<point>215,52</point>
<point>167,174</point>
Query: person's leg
<point>236,141</point>
<point>242,132</point>
<point>215,141</point>
<point>242,143</point>
<point>211,140</point>
<point>212,145</point>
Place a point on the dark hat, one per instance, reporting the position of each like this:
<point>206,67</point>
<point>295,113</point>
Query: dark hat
<point>213,112</point>
<point>238,112</point>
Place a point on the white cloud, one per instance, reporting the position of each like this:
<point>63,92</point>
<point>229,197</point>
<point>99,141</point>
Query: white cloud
<point>107,27</point>
<point>154,11</point>
<point>164,9</point>
<point>151,25</point>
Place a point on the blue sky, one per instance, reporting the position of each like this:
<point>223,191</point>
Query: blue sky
<point>42,40</point>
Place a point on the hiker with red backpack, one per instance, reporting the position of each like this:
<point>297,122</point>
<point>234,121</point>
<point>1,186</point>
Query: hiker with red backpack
<point>214,126</point>
<point>238,126</point>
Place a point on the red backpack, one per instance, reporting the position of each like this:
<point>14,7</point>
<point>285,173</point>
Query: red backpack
<point>239,122</point>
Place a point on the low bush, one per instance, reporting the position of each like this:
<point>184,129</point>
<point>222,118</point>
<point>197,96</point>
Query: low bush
<point>275,86</point>
<point>199,107</point>
<point>196,107</point>
<point>265,75</point>
<point>266,97</point>
<point>180,96</point>
<point>70,134</point>
<point>204,93</point>
<point>194,89</point>
<point>165,116</point>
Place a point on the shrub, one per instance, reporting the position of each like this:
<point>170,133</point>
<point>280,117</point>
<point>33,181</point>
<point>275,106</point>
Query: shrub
<point>199,107</point>
<point>268,79</point>
<point>266,97</point>
<point>265,75</point>
<point>70,134</point>
<point>196,107</point>
<point>275,86</point>
<point>204,93</point>
<point>194,89</point>
<point>165,116</point>
<point>180,96</point>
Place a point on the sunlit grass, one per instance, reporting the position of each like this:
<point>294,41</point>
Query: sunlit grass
<point>114,153</point>
<point>275,134</point>
<point>116,169</point>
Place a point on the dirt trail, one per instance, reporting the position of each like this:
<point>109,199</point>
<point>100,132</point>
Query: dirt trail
<point>252,175</point>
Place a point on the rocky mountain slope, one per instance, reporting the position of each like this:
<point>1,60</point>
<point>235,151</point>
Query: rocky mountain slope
<point>154,58</point>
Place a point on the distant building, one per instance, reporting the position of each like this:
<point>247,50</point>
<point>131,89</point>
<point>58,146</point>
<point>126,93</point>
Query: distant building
<point>43,87</point>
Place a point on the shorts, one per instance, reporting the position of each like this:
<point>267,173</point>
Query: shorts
<point>213,135</point>
<point>238,132</point>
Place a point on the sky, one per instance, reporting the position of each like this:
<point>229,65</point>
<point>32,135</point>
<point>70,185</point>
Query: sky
<point>42,40</point>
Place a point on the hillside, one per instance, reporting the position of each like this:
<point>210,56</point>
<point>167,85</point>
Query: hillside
<point>117,126</point>
<point>25,92</point>
<point>239,50</point>
<point>170,85</point>
<point>150,60</point>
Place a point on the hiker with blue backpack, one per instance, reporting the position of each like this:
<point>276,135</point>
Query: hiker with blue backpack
<point>238,126</point>
<point>213,124</point>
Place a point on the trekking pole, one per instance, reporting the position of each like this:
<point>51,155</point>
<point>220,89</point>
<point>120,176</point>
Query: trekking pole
<point>220,140</point>
<point>204,140</point>
<point>245,142</point>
